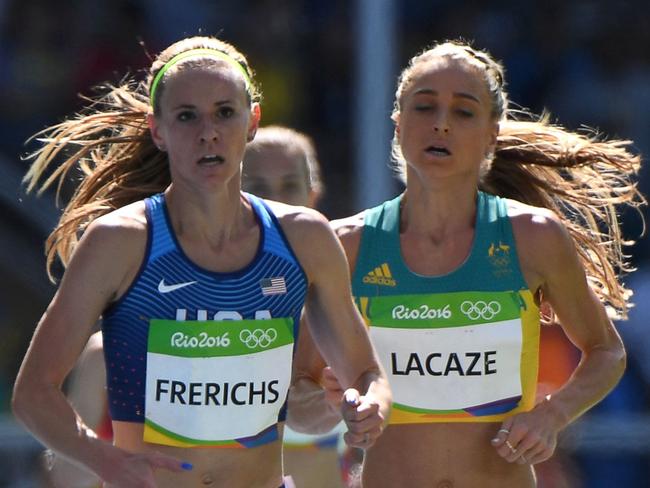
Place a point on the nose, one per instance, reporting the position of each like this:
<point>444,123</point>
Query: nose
<point>208,132</point>
<point>440,124</point>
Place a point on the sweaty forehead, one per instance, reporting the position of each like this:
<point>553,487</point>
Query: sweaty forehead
<point>208,65</point>
<point>447,64</point>
<point>188,84</point>
<point>457,72</point>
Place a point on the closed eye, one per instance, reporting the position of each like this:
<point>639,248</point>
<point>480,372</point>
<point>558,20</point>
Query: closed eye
<point>465,113</point>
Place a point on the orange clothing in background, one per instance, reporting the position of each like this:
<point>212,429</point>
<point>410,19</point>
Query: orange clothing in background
<point>558,357</point>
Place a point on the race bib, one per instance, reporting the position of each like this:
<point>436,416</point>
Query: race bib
<point>216,383</point>
<point>455,357</point>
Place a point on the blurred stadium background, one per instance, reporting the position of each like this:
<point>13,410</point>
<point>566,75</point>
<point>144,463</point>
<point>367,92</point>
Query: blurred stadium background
<point>328,67</point>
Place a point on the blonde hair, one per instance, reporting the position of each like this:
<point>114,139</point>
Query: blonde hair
<point>110,144</point>
<point>290,139</point>
<point>584,178</point>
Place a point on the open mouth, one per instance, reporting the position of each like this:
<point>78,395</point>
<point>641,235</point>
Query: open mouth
<point>211,159</point>
<point>438,151</point>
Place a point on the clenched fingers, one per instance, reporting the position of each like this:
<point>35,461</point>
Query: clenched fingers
<point>363,419</point>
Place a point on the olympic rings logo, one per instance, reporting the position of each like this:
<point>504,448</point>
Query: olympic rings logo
<point>480,310</point>
<point>258,337</point>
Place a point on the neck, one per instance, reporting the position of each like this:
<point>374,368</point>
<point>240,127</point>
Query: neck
<point>438,210</point>
<point>214,217</point>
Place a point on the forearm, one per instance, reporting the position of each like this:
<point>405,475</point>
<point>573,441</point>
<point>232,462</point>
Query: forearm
<point>46,413</point>
<point>597,374</point>
<point>308,410</point>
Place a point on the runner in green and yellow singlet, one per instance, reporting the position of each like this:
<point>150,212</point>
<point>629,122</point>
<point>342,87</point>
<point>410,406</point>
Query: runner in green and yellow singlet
<point>498,218</point>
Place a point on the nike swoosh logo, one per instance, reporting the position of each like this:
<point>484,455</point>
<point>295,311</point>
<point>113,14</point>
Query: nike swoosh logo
<point>164,288</point>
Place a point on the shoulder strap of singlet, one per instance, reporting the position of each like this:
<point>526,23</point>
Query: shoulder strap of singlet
<point>161,239</point>
<point>379,238</point>
<point>493,253</point>
<point>275,240</point>
<point>498,251</point>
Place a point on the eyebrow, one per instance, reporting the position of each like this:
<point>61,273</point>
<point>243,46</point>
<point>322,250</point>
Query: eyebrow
<point>429,91</point>
<point>190,106</point>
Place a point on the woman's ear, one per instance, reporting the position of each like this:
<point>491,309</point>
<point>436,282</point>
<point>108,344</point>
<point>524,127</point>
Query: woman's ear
<point>492,145</point>
<point>256,115</point>
<point>155,132</point>
<point>495,133</point>
<point>395,118</point>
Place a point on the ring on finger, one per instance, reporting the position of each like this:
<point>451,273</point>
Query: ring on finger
<point>503,431</point>
<point>512,449</point>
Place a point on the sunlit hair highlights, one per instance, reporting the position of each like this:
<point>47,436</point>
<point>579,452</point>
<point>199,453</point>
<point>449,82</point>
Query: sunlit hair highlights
<point>197,54</point>
<point>110,145</point>
<point>194,44</point>
<point>583,177</point>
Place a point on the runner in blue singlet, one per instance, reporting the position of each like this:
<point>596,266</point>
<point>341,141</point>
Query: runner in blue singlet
<point>200,286</point>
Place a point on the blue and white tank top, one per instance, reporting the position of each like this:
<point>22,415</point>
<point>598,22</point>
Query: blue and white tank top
<point>208,338</point>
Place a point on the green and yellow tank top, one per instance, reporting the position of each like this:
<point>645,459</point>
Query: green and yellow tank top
<point>461,347</point>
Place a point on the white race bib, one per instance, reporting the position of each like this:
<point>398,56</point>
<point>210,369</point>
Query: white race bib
<point>216,383</point>
<point>451,368</point>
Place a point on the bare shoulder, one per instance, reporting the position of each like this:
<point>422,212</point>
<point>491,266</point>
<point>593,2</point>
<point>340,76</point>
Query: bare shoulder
<point>300,219</point>
<point>295,219</point>
<point>301,223</point>
<point>535,223</point>
<point>349,230</point>
<point>544,244</point>
<point>349,227</point>
<point>128,221</point>
<point>310,236</point>
<point>118,232</point>
<point>112,247</point>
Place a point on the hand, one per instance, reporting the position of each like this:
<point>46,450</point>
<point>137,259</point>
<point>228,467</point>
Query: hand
<point>332,387</point>
<point>363,419</point>
<point>137,470</point>
<point>528,438</point>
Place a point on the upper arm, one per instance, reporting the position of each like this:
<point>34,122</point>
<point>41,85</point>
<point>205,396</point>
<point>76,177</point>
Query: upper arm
<point>551,265</point>
<point>335,324</point>
<point>97,271</point>
<point>86,387</point>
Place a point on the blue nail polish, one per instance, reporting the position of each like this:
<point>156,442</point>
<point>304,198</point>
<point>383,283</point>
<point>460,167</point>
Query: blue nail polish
<point>187,466</point>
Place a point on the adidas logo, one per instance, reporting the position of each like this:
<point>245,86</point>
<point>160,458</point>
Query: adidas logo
<point>380,276</point>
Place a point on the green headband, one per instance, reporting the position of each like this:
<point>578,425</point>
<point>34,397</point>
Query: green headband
<point>201,52</point>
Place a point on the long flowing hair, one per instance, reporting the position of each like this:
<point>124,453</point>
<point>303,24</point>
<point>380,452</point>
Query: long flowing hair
<point>584,178</point>
<point>109,144</point>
